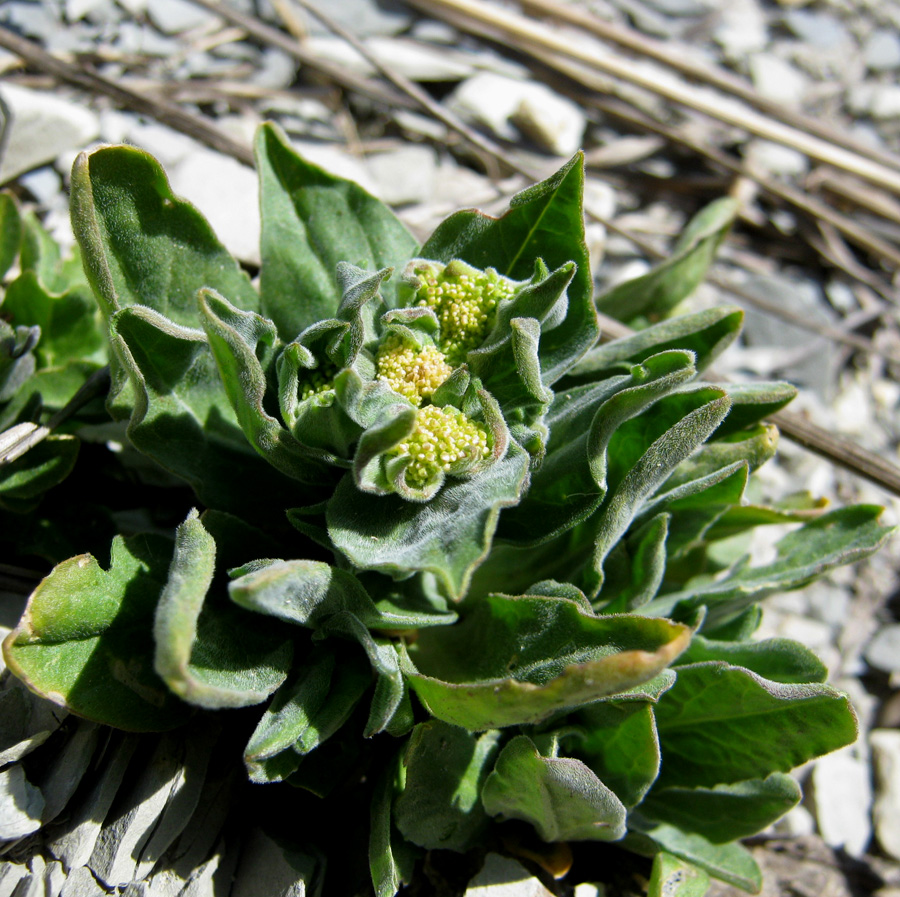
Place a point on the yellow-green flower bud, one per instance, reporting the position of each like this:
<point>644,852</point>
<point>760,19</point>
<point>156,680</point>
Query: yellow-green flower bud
<point>413,372</point>
<point>316,380</point>
<point>444,440</point>
<point>465,301</point>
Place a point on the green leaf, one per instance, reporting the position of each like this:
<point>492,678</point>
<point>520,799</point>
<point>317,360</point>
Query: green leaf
<point>10,231</point>
<point>306,711</point>
<point>753,402</point>
<point>706,333</point>
<point>449,536</point>
<point>635,569</point>
<point>662,288</point>
<point>311,220</point>
<point>70,322</point>
<point>731,863</point>
<point>674,877</point>
<point>778,659</point>
<point>840,537</point>
<point>559,796</point>
<point>543,222</point>
<point>84,640</point>
<point>142,245</point>
<point>696,415</point>
<point>619,744</point>
<point>308,592</point>
<point>25,480</point>
<point>512,661</point>
<point>205,650</point>
<point>721,724</point>
<point>440,807</point>
<point>726,812</point>
<point>238,340</point>
<point>389,854</point>
<point>181,417</point>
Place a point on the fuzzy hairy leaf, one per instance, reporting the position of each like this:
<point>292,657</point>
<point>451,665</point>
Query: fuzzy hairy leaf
<point>831,540</point>
<point>448,537</point>
<point>311,221</point>
<point>205,650</point>
<point>142,245</point>
<point>83,639</point>
<point>559,796</point>
<point>512,661</point>
<point>440,806</point>
<point>674,877</point>
<point>726,812</point>
<point>721,724</point>
<point>659,290</point>
<point>10,231</point>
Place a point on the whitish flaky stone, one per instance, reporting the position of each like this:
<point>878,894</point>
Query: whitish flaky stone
<point>885,745</point>
<point>21,805</point>
<point>843,801</point>
<point>43,127</point>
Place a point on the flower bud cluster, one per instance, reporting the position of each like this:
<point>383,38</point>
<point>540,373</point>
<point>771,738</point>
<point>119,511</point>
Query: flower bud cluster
<point>465,301</point>
<point>317,380</point>
<point>412,371</point>
<point>444,440</point>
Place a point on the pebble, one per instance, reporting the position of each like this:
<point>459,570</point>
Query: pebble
<point>742,29</point>
<point>504,877</point>
<point>363,17</point>
<point>880,101</point>
<point>777,80</point>
<point>842,794</point>
<point>43,126</point>
<point>885,745</point>
<point>883,652</point>
<point>775,159</point>
<point>177,16</point>
<point>881,51</point>
<point>818,29</point>
<point>265,869</point>
<point>555,123</point>
<point>404,175</point>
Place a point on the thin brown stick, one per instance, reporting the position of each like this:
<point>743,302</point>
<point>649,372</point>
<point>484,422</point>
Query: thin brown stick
<point>174,116</point>
<point>511,26</point>
<point>719,78</point>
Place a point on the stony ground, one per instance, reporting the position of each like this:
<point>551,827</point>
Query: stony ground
<point>821,301</point>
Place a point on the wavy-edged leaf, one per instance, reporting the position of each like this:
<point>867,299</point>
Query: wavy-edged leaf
<point>777,659</point>
<point>181,417</point>
<point>391,858</point>
<point>559,796</point>
<point>696,415</point>
<point>142,245</point>
<point>240,342</point>
<point>657,292</point>
<point>440,806</point>
<point>731,863</point>
<point>308,592</point>
<point>311,221</point>
<point>449,536</point>
<point>706,333</point>
<point>720,724</point>
<point>754,402</point>
<point>84,640</point>
<point>543,222</point>
<point>572,481</point>
<point>635,569</point>
<point>839,537</point>
<point>726,812</point>
<point>512,661</point>
<point>205,650</point>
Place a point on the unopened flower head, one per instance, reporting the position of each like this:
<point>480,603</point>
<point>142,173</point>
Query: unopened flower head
<point>444,440</point>
<point>317,380</point>
<point>465,301</point>
<point>412,371</point>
